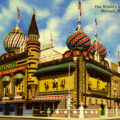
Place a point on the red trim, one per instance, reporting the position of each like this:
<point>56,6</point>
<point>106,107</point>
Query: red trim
<point>33,41</point>
<point>13,70</point>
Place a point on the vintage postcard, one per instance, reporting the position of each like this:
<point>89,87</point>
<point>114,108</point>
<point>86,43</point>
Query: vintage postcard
<point>59,59</point>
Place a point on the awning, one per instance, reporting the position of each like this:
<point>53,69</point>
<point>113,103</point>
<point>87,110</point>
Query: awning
<point>89,65</point>
<point>55,67</point>
<point>6,78</point>
<point>19,76</point>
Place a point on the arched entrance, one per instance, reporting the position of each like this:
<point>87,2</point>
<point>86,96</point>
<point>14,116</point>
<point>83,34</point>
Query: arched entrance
<point>6,85</point>
<point>19,79</point>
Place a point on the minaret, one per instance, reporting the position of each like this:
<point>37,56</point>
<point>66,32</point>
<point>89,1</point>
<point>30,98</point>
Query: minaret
<point>33,48</point>
<point>96,40</point>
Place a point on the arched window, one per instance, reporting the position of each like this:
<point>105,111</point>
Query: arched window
<point>19,78</point>
<point>6,85</point>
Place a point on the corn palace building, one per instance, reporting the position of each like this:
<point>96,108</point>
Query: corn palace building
<point>79,83</point>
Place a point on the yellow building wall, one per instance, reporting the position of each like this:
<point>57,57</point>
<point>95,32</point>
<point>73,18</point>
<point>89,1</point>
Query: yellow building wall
<point>115,85</point>
<point>114,67</point>
<point>96,84</point>
<point>69,82</point>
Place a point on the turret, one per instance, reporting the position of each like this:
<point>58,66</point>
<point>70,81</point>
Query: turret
<point>33,48</point>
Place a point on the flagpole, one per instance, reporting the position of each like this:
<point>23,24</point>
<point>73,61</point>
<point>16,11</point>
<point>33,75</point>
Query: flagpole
<point>118,57</point>
<point>69,97</point>
<point>18,16</point>
<point>79,7</point>
<point>97,56</point>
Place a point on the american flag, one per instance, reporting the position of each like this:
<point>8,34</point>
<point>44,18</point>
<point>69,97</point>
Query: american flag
<point>79,6</point>
<point>95,21</point>
<point>18,15</point>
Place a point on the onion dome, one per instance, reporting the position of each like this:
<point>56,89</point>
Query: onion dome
<point>14,40</point>
<point>78,39</point>
<point>98,48</point>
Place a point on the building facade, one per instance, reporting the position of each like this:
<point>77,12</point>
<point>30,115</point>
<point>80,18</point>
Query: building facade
<point>80,83</point>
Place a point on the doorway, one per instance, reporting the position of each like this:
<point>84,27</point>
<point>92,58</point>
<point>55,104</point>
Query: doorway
<point>102,110</point>
<point>115,110</point>
<point>7,110</point>
<point>20,109</point>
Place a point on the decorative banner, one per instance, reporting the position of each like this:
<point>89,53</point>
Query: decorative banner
<point>13,70</point>
<point>8,66</point>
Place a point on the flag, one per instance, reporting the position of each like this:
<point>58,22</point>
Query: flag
<point>18,15</point>
<point>109,52</point>
<point>34,11</point>
<point>79,6</point>
<point>95,21</point>
<point>118,54</point>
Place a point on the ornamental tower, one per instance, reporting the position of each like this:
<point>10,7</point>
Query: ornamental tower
<point>97,49</point>
<point>78,43</point>
<point>33,48</point>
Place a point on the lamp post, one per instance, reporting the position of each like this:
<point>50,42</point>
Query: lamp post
<point>69,98</point>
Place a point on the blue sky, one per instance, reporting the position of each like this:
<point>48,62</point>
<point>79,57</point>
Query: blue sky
<point>60,18</point>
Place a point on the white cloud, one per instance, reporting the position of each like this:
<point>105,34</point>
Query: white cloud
<point>42,13</point>
<point>89,28</point>
<point>61,49</point>
<point>1,28</point>
<point>71,12</point>
<point>88,9</point>
<point>52,28</point>
<point>10,13</point>
<point>58,1</point>
<point>110,31</point>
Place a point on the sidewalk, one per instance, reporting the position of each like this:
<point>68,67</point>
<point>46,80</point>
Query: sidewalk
<point>56,118</point>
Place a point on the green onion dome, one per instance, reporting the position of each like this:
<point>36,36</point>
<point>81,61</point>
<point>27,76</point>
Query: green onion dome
<point>98,48</point>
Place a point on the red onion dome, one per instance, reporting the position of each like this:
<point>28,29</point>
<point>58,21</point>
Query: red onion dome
<point>99,48</point>
<point>78,39</point>
<point>14,40</point>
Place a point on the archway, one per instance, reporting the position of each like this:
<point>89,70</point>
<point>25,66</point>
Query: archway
<point>6,85</point>
<point>19,79</point>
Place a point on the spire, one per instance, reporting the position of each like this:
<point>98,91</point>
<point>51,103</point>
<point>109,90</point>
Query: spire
<point>52,44</point>
<point>96,29</point>
<point>96,39</point>
<point>79,8</point>
<point>18,17</point>
<point>33,30</point>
